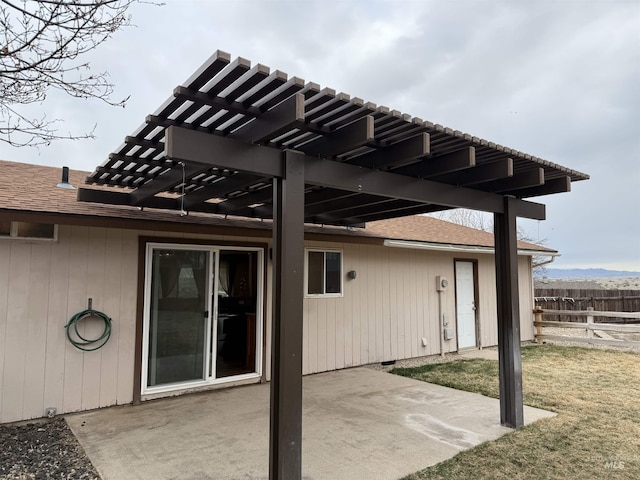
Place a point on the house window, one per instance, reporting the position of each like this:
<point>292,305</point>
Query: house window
<point>28,230</point>
<point>324,273</point>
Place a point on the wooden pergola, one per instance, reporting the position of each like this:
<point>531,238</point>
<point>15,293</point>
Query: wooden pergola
<point>236,140</point>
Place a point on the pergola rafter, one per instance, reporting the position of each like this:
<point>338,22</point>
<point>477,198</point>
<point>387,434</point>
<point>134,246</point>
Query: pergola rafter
<point>236,140</point>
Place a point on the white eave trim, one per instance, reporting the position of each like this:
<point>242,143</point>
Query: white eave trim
<point>450,247</point>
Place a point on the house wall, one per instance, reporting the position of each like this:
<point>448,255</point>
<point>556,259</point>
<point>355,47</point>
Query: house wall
<point>42,284</point>
<point>393,303</point>
<point>383,315</point>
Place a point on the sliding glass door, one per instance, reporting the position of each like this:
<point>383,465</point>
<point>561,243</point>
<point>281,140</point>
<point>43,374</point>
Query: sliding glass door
<point>178,315</point>
<point>202,315</point>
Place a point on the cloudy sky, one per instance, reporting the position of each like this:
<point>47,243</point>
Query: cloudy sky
<point>557,79</point>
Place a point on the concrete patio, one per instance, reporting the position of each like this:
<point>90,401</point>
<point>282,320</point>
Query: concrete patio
<point>357,423</point>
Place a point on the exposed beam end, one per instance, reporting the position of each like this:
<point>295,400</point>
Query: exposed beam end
<point>550,187</point>
<point>449,162</point>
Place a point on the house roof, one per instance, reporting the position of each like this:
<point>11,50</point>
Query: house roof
<point>423,228</point>
<point>426,229</point>
<point>218,141</point>
<point>29,191</point>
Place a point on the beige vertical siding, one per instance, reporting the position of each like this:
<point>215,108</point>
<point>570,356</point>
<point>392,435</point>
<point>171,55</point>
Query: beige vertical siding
<point>527,302</point>
<point>383,315</point>
<point>42,284</point>
<point>16,328</point>
<point>393,303</point>
<point>5,261</point>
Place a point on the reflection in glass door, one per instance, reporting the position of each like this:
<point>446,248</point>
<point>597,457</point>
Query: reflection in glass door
<point>237,308</point>
<point>178,316</point>
<point>202,322</point>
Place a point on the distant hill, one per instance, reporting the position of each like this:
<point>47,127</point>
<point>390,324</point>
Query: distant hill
<point>586,273</point>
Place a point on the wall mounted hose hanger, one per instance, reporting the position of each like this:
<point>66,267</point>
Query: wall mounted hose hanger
<point>81,342</point>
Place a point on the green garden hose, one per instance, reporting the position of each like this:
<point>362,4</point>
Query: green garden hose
<point>86,344</point>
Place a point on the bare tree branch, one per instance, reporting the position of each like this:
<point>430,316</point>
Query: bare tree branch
<point>468,218</point>
<point>41,43</point>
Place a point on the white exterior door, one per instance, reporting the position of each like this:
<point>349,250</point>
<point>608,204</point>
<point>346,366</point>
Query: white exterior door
<point>465,305</point>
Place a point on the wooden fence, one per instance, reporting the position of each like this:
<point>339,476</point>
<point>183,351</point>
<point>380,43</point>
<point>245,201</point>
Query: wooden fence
<point>570,300</point>
<point>596,333</point>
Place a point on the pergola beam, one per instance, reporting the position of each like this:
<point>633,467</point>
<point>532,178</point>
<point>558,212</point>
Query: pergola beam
<point>345,139</point>
<point>324,195</point>
<point>342,204</point>
<point>145,144</point>
<point>236,203</point>
<point>401,212</point>
<point>363,180</point>
<point>165,182</point>
<point>239,181</point>
<point>216,103</point>
<point>555,185</point>
<point>277,121</point>
<point>118,198</point>
<point>519,181</point>
<point>487,172</point>
<point>192,146</point>
<point>449,162</point>
<point>397,155</point>
<point>382,206</point>
<point>195,149</point>
<point>111,197</point>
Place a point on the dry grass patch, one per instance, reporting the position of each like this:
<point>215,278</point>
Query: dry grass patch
<point>596,434</point>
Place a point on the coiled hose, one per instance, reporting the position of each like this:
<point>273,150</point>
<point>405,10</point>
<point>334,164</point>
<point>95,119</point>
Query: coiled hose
<point>87,344</point>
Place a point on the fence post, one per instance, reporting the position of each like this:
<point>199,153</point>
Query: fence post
<point>538,318</point>
<point>589,323</point>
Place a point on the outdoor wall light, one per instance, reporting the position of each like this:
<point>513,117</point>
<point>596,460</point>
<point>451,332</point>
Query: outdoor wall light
<point>352,274</point>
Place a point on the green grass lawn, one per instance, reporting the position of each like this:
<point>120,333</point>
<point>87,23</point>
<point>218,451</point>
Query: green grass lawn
<point>596,434</point>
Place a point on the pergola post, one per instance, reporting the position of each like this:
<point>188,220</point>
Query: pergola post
<point>510,361</point>
<point>285,437</point>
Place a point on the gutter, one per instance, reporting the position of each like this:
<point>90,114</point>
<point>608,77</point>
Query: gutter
<point>546,262</point>
<point>450,247</point>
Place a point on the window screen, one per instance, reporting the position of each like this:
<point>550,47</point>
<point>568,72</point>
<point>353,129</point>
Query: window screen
<point>316,273</point>
<point>324,272</point>
<point>333,276</point>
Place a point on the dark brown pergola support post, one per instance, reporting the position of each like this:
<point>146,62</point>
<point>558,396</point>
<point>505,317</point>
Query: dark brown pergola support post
<point>511,411</point>
<point>285,437</point>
